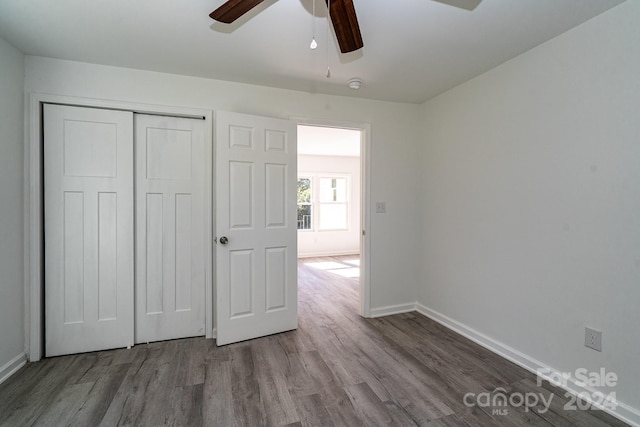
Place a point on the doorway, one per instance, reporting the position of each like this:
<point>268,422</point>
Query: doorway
<point>330,200</point>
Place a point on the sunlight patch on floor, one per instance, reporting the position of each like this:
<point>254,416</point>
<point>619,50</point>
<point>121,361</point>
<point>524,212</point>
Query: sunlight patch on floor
<point>344,269</point>
<point>347,272</point>
<point>328,265</point>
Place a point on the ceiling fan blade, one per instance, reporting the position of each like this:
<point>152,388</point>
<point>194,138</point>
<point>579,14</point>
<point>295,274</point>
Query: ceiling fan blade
<point>462,4</point>
<point>233,9</point>
<point>345,24</point>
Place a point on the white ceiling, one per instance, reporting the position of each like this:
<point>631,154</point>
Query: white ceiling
<point>327,141</point>
<point>413,49</point>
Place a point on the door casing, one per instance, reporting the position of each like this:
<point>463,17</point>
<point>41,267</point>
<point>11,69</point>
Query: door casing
<point>365,201</point>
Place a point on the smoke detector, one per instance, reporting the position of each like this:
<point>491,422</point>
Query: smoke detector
<point>355,83</point>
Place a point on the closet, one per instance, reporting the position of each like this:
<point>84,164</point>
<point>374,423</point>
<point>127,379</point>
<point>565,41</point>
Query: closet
<point>124,220</point>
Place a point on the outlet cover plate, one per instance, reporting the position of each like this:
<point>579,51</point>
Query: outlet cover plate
<point>593,338</point>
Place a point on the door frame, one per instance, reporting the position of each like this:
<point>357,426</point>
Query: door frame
<point>365,200</point>
<point>33,202</point>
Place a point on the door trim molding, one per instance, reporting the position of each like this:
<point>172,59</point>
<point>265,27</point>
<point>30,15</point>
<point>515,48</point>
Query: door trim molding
<point>365,201</point>
<point>33,205</point>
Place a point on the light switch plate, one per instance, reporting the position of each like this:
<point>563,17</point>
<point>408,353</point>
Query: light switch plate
<point>381,207</point>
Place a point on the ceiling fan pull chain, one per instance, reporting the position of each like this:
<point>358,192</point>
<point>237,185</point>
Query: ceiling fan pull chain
<point>313,44</point>
<point>328,31</point>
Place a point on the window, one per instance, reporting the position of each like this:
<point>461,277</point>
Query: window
<point>323,203</point>
<point>333,204</point>
<point>304,204</point>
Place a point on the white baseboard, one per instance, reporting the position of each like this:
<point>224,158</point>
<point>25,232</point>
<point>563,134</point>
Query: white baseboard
<point>623,411</point>
<point>392,309</point>
<point>327,254</point>
<point>12,366</point>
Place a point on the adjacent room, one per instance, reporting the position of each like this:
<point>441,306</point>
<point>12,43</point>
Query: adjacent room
<point>306,212</point>
<point>329,200</point>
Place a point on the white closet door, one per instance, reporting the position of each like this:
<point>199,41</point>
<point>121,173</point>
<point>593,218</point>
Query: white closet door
<point>170,223</point>
<point>256,288</point>
<point>88,175</point>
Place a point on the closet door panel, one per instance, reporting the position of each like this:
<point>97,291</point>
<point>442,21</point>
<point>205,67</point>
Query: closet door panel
<point>170,224</point>
<point>89,273</point>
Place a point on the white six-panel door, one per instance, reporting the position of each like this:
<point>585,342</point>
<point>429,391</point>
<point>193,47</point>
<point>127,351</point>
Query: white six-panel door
<point>256,292</point>
<point>170,227</point>
<point>88,175</point>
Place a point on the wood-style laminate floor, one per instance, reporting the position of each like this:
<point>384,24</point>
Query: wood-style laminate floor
<point>336,369</point>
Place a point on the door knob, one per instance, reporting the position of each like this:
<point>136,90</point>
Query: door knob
<point>224,240</point>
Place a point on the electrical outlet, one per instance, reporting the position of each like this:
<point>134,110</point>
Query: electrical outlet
<point>593,339</point>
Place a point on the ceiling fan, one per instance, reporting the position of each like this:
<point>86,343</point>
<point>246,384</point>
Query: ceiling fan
<point>343,17</point>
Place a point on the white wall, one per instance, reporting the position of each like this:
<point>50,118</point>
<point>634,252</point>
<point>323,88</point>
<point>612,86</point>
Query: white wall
<point>394,132</point>
<point>11,209</point>
<point>317,242</point>
<point>531,200</point>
